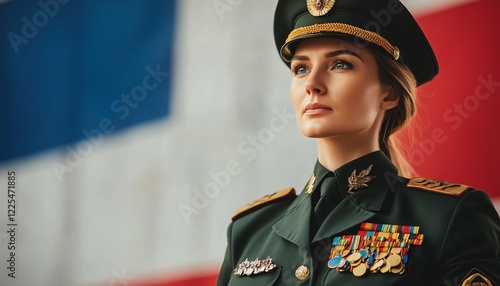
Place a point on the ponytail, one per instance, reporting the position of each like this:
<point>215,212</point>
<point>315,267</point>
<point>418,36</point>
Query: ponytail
<point>403,84</point>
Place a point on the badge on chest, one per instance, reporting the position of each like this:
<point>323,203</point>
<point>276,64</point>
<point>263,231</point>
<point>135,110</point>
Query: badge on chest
<point>376,248</point>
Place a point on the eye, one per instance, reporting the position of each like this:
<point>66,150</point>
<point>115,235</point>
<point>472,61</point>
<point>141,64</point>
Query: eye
<point>299,70</point>
<point>342,65</point>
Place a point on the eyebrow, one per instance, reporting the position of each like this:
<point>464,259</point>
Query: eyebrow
<point>330,55</point>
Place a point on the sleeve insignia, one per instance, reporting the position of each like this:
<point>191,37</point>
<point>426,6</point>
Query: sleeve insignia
<point>436,186</point>
<point>476,279</point>
<point>264,200</point>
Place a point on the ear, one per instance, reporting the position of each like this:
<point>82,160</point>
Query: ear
<point>390,100</point>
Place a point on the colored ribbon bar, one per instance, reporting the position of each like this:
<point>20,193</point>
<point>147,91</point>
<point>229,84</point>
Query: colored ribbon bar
<point>390,228</point>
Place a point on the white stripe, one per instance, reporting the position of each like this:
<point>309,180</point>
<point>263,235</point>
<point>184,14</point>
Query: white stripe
<point>421,7</point>
<point>496,202</point>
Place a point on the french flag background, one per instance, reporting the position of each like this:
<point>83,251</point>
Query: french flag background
<point>135,129</point>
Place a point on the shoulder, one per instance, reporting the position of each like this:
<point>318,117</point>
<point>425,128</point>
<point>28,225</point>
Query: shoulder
<point>438,187</point>
<point>443,194</point>
<point>439,198</point>
<point>267,200</point>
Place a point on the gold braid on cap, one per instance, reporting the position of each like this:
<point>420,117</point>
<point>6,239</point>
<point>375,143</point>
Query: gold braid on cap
<point>366,35</point>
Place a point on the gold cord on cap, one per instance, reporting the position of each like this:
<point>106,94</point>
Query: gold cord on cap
<point>366,35</point>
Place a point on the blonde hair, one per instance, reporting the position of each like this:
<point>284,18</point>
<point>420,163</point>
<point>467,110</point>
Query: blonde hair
<point>403,83</point>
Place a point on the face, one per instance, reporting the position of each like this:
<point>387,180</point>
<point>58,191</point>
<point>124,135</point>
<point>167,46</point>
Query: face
<point>335,89</point>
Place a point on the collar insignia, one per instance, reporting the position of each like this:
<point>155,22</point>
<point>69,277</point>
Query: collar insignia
<point>319,7</point>
<point>310,185</point>
<point>361,180</point>
<point>254,267</point>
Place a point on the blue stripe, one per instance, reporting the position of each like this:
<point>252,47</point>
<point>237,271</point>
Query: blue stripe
<point>67,69</point>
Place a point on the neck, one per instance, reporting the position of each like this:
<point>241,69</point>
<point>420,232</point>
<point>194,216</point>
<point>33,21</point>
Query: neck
<point>335,152</point>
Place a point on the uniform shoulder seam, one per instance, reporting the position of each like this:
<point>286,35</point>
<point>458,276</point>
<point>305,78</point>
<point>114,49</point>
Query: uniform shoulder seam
<point>287,192</point>
<point>437,186</point>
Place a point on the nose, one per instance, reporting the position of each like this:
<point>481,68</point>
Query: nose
<point>315,83</point>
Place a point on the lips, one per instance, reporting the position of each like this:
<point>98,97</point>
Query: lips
<point>316,108</point>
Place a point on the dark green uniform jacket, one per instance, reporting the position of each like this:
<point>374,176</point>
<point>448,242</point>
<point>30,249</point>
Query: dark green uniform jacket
<point>452,233</point>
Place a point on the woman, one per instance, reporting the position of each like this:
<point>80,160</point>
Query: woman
<point>359,221</point>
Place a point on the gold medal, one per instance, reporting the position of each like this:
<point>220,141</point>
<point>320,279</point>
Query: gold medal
<point>397,269</point>
<point>354,257</point>
<point>385,268</point>
<point>394,260</point>
<point>336,251</point>
<point>402,270</point>
<point>356,263</point>
<point>396,250</point>
<point>359,270</point>
<point>382,255</point>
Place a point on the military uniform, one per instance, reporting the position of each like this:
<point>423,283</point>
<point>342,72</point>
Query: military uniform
<point>362,224</point>
<point>457,227</point>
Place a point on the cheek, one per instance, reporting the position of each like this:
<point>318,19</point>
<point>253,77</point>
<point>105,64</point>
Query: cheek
<point>296,96</point>
<point>367,94</point>
<point>363,102</point>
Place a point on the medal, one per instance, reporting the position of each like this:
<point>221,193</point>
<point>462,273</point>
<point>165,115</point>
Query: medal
<point>377,248</point>
<point>254,267</point>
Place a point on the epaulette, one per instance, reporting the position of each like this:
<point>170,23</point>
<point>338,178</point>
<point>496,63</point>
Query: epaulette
<point>265,200</point>
<point>436,186</point>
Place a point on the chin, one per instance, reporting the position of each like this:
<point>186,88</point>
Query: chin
<point>315,133</point>
<point>315,130</point>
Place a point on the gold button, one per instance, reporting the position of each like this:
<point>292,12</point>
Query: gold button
<point>302,273</point>
<point>396,53</point>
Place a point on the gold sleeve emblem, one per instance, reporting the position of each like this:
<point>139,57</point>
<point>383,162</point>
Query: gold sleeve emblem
<point>476,279</point>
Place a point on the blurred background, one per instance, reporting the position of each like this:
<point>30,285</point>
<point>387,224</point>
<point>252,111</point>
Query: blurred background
<point>135,129</point>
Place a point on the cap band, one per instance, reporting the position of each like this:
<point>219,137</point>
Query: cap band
<point>366,35</point>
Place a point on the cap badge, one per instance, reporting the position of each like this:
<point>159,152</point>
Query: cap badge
<point>319,7</point>
<point>254,267</point>
<point>361,180</point>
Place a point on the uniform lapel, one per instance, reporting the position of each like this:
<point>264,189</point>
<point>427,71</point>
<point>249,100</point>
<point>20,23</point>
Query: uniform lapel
<point>294,226</point>
<point>353,210</point>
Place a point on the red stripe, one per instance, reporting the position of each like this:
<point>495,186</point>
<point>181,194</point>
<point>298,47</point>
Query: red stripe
<point>457,132</point>
<point>205,280</point>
